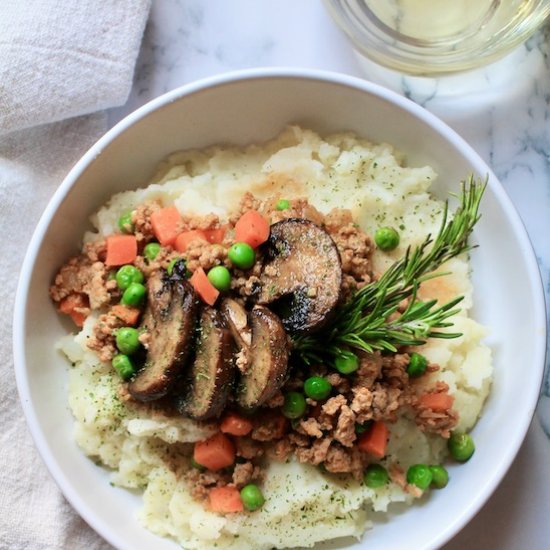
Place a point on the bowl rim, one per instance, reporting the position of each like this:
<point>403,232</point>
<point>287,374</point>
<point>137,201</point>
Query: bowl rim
<point>329,77</point>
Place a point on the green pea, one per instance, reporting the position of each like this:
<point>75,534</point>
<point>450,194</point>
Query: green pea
<point>317,387</point>
<point>362,428</point>
<point>420,475</point>
<point>294,405</point>
<point>242,255</point>
<point>461,446</point>
<point>375,476</point>
<point>125,223</point>
<point>417,365</point>
<point>252,497</point>
<point>128,274</point>
<point>124,366</point>
<point>386,238</point>
<point>220,277</point>
<point>127,340</point>
<point>282,204</point>
<point>346,363</point>
<point>134,295</point>
<point>151,251</point>
<point>440,476</point>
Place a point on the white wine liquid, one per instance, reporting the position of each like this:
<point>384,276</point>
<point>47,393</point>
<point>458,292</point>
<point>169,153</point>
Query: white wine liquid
<point>447,20</point>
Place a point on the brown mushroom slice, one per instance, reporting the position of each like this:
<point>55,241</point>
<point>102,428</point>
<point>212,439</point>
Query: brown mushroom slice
<point>268,359</point>
<point>210,378</point>
<point>301,277</point>
<point>237,321</point>
<point>169,318</point>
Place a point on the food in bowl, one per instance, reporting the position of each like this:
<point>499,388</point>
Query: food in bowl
<point>264,351</point>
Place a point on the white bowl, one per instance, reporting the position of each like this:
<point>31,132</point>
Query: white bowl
<point>252,106</point>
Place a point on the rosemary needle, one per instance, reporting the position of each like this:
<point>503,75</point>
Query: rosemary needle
<point>370,320</point>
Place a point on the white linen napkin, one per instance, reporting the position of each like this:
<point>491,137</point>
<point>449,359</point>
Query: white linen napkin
<point>33,513</point>
<point>58,59</point>
<point>63,58</point>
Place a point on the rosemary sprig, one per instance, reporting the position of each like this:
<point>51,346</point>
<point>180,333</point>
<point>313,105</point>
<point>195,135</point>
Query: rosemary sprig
<point>370,320</point>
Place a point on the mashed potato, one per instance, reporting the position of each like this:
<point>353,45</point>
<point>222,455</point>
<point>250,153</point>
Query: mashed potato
<point>303,505</point>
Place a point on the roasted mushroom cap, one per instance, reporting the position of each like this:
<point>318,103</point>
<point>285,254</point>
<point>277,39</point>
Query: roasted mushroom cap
<point>237,320</point>
<point>169,318</point>
<point>268,359</point>
<point>301,277</point>
<point>210,378</point>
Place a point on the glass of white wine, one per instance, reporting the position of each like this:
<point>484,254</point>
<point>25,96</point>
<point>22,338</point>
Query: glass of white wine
<point>435,37</point>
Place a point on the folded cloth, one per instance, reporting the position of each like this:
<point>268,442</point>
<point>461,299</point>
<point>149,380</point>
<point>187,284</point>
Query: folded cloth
<point>63,58</point>
<point>33,513</point>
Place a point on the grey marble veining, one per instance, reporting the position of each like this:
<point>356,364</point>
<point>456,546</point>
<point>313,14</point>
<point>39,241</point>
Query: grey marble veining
<point>503,111</point>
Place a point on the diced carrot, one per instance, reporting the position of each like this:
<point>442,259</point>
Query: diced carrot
<point>235,424</point>
<point>215,453</point>
<point>78,318</point>
<point>71,301</point>
<point>225,500</point>
<point>121,250</point>
<point>215,236</point>
<point>128,314</point>
<point>252,228</point>
<point>206,290</point>
<point>71,304</point>
<point>166,225</point>
<point>184,239</point>
<point>375,440</point>
<point>438,402</point>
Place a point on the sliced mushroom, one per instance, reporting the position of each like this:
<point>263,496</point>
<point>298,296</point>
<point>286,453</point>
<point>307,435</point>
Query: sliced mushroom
<point>169,318</point>
<point>237,321</point>
<point>268,359</point>
<point>210,378</point>
<point>301,277</point>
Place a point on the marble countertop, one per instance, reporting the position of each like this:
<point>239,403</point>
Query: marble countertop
<point>502,111</point>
